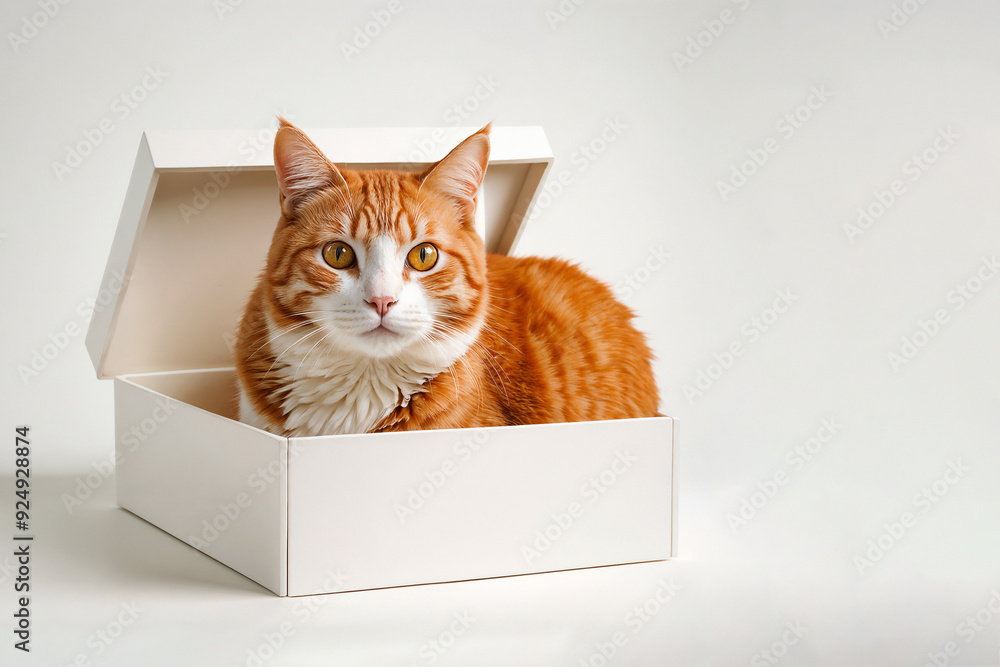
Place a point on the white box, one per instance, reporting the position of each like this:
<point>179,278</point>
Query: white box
<point>351,512</point>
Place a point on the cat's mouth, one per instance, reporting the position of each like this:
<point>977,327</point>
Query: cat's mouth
<point>381,330</point>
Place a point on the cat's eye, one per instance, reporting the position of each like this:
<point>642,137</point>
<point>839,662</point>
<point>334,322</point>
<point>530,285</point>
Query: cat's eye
<point>338,255</point>
<point>423,257</point>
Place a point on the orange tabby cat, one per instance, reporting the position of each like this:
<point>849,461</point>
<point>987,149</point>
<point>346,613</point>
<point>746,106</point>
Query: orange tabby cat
<point>380,310</point>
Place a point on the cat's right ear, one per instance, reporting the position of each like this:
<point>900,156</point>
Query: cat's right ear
<point>302,169</point>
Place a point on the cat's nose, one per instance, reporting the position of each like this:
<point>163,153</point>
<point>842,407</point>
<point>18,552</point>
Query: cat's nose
<point>381,304</point>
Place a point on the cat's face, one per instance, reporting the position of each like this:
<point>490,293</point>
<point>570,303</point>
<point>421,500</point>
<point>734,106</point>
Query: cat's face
<point>378,263</point>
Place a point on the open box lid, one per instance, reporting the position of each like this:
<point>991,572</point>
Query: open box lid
<point>197,222</point>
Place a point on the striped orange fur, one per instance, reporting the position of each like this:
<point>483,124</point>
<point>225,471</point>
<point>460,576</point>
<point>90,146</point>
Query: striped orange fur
<point>379,309</point>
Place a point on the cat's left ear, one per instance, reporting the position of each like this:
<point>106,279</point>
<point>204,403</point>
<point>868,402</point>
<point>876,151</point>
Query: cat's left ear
<point>460,174</point>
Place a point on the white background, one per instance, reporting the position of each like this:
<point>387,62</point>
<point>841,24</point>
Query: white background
<point>808,554</point>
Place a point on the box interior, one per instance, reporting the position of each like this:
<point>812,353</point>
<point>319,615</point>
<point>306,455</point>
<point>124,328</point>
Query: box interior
<point>210,390</point>
<point>197,258</point>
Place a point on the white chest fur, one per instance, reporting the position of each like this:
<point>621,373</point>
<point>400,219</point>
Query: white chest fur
<point>342,395</point>
<point>332,391</point>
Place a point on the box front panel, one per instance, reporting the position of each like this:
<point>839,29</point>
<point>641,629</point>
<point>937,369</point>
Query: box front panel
<point>209,481</point>
<point>434,506</point>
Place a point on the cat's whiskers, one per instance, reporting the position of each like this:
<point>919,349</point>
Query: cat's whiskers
<point>330,349</point>
<point>464,360</point>
<point>286,350</point>
<point>486,356</point>
<point>476,382</point>
<point>476,378</point>
<point>493,331</point>
<point>484,327</point>
<point>491,366</point>
<point>425,337</point>
<point>495,297</point>
<point>295,375</point>
<point>275,335</point>
<point>491,360</point>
